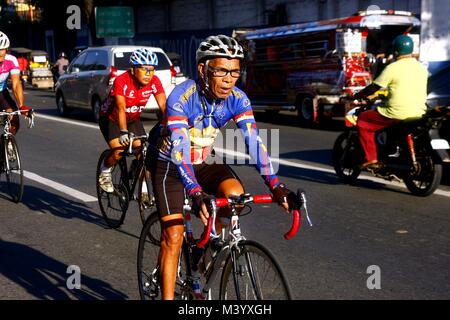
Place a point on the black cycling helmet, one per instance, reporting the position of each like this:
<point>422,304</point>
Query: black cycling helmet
<point>402,45</point>
<point>62,55</point>
<point>219,46</point>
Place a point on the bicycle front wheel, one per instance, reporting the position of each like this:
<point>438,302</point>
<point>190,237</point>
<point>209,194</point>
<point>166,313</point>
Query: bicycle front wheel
<point>252,273</point>
<point>114,205</point>
<point>148,264</point>
<point>146,201</point>
<point>12,169</point>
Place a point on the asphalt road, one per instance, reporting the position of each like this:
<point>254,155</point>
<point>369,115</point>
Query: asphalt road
<point>355,227</point>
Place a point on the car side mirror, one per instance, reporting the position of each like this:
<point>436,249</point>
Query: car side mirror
<point>75,70</point>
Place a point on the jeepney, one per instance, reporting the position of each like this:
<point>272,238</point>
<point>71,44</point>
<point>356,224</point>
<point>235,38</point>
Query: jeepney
<point>311,68</point>
<point>40,71</point>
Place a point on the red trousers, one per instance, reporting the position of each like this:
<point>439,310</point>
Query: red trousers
<point>368,123</point>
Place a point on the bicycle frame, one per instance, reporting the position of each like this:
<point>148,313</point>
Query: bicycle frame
<point>141,162</point>
<point>5,121</point>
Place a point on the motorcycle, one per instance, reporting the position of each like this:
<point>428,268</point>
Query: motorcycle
<point>411,151</point>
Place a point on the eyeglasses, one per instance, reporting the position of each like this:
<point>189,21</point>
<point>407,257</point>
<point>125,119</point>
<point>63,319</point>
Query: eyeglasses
<point>219,72</point>
<point>147,70</point>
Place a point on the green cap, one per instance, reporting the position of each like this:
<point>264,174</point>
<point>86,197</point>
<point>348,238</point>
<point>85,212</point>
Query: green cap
<point>402,45</point>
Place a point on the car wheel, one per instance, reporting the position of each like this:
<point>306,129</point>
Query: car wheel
<point>61,105</point>
<point>306,111</point>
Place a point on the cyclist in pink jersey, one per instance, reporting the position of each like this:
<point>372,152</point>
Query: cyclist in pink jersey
<point>120,113</point>
<point>9,68</point>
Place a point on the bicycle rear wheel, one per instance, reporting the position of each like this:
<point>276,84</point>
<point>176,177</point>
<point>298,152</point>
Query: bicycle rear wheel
<point>148,263</point>
<point>12,169</point>
<point>252,273</point>
<point>113,206</point>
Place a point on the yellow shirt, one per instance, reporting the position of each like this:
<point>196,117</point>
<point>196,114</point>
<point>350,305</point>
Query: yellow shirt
<point>406,81</point>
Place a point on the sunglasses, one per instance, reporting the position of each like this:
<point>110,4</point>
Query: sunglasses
<point>147,70</point>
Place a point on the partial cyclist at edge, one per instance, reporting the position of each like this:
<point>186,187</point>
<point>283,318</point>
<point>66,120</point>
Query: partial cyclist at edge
<point>120,113</point>
<point>9,68</point>
<point>196,110</point>
<point>406,81</point>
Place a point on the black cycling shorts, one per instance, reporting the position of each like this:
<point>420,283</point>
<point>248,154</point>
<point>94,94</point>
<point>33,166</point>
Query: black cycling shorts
<point>6,101</point>
<point>168,188</point>
<point>110,129</point>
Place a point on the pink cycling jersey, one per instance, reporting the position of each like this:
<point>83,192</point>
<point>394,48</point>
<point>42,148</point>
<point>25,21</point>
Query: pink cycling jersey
<point>8,67</point>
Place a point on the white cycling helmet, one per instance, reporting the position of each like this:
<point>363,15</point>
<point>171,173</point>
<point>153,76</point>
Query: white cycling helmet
<point>143,57</point>
<point>219,46</point>
<point>4,41</point>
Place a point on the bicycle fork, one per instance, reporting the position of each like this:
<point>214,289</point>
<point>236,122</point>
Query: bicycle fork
<point>220,258</point>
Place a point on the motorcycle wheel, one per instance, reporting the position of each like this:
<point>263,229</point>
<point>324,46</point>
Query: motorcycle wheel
<point>426,179</point>
<point>346,157</point>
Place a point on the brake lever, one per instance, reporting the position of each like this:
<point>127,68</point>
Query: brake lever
<point>303,199</point>
<point>130,145</point>
<point>31,119</point>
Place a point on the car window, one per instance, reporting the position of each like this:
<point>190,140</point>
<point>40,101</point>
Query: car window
<point>122,61</point>
<point>89,62</point>
<point>102,60</point>
<point>78,62</point>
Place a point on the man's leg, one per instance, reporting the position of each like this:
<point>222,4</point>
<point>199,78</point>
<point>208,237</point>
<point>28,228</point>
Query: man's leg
<point>368,123</point>
<point>172,229</point>
<point>116,150</point>
<point>169,197</point>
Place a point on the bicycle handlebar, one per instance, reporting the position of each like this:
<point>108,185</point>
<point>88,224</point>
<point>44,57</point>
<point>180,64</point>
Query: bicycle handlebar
<point>18,112</point>
<point>132,138</point>
<point>298,201</point>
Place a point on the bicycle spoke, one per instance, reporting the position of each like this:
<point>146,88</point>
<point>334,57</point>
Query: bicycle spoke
<point>113,206</point>
<point>255,275</point>
<point>12,169</point>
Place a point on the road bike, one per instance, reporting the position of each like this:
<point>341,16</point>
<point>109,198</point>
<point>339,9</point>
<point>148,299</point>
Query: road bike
<point>247,269</point>
<point>126,175</point>
<point>11,170</point>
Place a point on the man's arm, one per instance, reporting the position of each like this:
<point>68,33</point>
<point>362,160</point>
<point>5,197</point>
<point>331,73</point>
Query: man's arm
<point>122,116</point>
<point>160,94</point>
<point>258,151</point>
<point>367,91</point>
<point>161,101</point>
<point>256,148</point>
<point>17,89</point>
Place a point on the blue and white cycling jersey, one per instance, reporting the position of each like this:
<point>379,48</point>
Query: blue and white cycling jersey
<point>192,124</point>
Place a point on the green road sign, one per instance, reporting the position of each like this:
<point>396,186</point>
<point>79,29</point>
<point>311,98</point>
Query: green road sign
<point>114,22</point>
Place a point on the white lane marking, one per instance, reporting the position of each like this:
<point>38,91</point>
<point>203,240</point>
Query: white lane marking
<point>81,124</point>
<point>309,167</point>
<point>300,165</point>
<point>60,187</point>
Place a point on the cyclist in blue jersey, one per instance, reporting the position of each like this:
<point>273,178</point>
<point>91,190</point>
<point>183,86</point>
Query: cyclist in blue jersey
<point>196,110</point>
<point>9,68</point>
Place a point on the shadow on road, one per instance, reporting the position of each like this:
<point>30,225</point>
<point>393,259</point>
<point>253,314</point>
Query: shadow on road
<point>40,200</point>
<point>45,278</point>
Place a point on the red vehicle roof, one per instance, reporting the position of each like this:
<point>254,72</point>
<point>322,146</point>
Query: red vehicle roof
<point>359,21</point>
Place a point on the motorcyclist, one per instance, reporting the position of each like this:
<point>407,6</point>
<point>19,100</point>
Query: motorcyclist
<point>59,65</point>
<point>406,82</point>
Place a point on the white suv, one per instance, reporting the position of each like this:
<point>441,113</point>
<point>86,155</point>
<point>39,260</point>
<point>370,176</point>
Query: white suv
<point>88,78</point>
